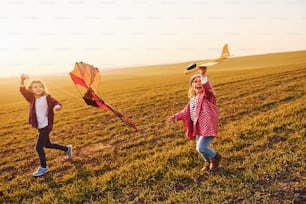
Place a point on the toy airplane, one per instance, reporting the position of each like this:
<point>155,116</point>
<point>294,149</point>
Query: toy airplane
<point>207,63</point>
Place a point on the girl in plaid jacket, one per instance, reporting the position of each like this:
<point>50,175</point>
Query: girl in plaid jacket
<point>200,118</point>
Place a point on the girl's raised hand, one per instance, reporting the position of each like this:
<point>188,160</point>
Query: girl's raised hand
<point>24,77</point>
<point>203,71</point>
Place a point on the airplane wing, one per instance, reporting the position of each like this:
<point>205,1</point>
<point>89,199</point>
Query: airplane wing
<point>207,63</point>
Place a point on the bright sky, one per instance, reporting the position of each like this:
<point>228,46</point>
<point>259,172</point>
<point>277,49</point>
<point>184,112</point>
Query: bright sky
<point>49,36</point>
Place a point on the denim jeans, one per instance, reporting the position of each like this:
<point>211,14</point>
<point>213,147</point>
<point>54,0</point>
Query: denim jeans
<point>43,140</point>
<point>203,147</point>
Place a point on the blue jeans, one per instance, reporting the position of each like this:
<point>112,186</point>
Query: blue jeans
<point>203,147</point>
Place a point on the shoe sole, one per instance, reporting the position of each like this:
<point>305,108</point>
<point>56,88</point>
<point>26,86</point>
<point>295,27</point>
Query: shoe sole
<point>38,175</point>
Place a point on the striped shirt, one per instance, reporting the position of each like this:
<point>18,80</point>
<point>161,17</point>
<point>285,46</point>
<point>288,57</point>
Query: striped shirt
<point>193,104</point>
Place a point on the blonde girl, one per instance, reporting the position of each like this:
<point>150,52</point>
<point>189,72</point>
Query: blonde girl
<point>41,117</point>
<point>200,118</point>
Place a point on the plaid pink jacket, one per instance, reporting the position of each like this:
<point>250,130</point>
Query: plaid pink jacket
<point>206,116</point>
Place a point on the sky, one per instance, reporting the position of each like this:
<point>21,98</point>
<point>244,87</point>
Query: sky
<point>49,36</point>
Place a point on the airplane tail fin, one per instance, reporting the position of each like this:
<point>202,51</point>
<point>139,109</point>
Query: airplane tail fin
<point>225,52</point>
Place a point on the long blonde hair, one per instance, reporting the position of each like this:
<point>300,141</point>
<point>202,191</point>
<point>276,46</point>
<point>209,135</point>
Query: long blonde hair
<point>30,85</point>
<point>191,93</point>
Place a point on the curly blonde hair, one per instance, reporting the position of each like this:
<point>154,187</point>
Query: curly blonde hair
<point>30,85</point>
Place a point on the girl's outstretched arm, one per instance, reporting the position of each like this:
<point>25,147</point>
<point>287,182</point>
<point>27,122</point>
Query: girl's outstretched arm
<point>207,86</point>
<point>26,94</point>
<point>179,115</point>
<point>55,104</point>
<point>209,92</point>
<point>23,77</point>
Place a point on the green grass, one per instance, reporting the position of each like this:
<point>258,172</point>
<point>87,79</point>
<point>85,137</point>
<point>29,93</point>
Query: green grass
<point>261,101</point>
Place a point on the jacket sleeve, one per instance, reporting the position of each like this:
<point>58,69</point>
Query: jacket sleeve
<point>182,114</point>
<point>209,92</point>
<point>26,94</point>
<point>54,102</point>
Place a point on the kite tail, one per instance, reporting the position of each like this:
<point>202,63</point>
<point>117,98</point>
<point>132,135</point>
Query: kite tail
<point>129,123</point>
<point>106,106</point>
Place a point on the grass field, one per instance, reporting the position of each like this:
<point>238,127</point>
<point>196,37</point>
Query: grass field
<point>261,101</point>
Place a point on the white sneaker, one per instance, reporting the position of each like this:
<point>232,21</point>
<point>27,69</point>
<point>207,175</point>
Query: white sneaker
<point>69,151</point>
<point>40,171</point>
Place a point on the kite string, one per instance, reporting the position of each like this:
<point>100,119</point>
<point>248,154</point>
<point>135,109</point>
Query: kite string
<point>71,96</point>
<point>68,93</point>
